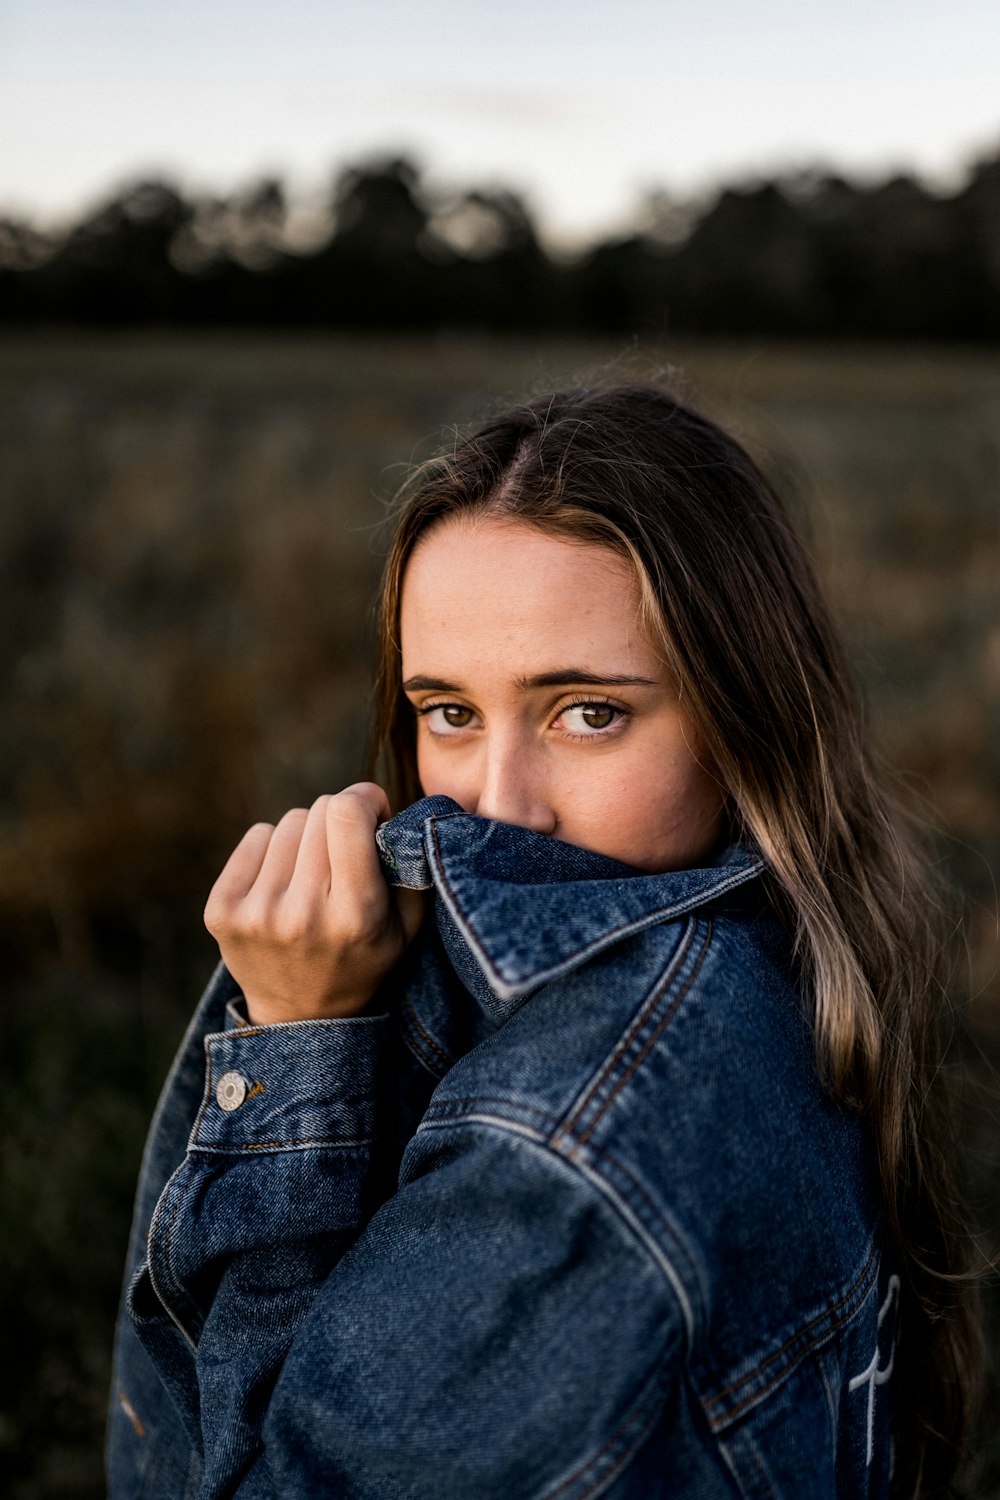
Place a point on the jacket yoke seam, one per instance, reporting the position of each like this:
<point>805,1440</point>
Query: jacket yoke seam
<point>454,1109</point>
<point>633,1216</point>
<point>545,1129</point>
<point>661,1025</point>
<point>604,1077</point>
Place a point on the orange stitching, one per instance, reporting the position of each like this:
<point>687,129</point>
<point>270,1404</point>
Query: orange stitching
<point>626,1041</point>
<point>422,1056</point>
<point>615,1437</point>
<point>434,1045</point>
<point>131,1413</point>
<point>812,1344</point>
<point>650,1040</point>
<point>728,1390</point>
<point>319,1140</point>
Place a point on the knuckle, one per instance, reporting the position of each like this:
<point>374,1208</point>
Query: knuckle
<point>293,818</point>
<point>215,914</point>
<point>248,923</point>
<point>291,927</point>
<point>360,921</point>
<point>370,793</point>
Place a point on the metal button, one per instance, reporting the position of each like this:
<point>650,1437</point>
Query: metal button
<point>230,1091</point>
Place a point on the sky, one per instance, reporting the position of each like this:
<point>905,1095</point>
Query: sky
<point>583,106</point>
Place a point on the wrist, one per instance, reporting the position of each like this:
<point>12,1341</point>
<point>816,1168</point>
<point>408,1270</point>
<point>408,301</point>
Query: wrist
<point>262,1011</point>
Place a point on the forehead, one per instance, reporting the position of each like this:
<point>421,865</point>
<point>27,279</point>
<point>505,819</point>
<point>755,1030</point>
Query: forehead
<point>489,590</point>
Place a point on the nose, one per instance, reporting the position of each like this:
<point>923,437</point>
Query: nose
<point>514,787</point>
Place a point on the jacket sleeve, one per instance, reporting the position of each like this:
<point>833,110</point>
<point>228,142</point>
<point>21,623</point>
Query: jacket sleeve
<point>493,1328</point>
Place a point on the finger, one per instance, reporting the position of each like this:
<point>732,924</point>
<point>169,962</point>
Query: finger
<point>239,872</point>
<point>312,874</point>
<point>276,871</point>
<point>371,795</point>
<point>352,817</point>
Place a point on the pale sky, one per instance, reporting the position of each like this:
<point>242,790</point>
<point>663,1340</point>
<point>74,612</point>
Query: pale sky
<point>581,106</point>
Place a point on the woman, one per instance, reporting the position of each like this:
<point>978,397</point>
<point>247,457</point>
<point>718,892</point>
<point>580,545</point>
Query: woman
<point>610,1164</point>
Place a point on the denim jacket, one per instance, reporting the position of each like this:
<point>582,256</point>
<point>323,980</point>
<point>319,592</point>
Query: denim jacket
<point>567,1214</point>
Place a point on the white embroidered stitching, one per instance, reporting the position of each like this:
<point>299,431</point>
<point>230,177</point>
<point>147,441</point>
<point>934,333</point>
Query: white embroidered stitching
<point>875,1374</point>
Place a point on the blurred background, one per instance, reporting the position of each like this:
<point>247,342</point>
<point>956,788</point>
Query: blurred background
<point>254,261</point>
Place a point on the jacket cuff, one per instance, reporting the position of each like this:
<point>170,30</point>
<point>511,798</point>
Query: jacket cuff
<point>291,1085</point>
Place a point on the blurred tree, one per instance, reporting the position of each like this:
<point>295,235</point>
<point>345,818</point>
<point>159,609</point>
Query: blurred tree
<point>22,250</point>
<point>248,228</point>
<point>496,272</point>
<point>808,254</point>
<point>373,270</point>
<point>233,254</point>
<point>115,266</point>
<point>748,266</point>
<point>893,262</point>
<point>977,214</point>
<point>624,286</point>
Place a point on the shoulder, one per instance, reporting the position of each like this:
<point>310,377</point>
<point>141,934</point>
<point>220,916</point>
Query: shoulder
<point>674,1074</point>
<point>696,1015</point>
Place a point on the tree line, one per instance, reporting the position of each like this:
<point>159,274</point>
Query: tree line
<point>810,255</point>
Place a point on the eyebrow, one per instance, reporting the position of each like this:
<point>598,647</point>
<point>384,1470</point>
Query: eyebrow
<point>562,677</point>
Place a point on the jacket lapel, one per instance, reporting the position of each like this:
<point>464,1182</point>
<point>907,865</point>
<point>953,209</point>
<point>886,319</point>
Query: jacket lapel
<point>528,908</point>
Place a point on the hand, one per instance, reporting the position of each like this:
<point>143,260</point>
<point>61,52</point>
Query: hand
<point>304,919</point>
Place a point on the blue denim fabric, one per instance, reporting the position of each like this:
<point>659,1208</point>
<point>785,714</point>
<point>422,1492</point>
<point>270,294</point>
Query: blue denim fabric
<point>567,1215</point>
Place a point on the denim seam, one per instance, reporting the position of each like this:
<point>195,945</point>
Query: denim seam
<point>628,1213</point>
<point>350,1144</point>
<point>650,1041</point>
<point>749,1450</point>
<point>862,1277</point>
<point>605,1073</point>
<point>251,1029</point>
<point>847,1306</point>
<point>206,1096</point>
<point>519,988</point>
<point>644,1421</point>
<point>415,1049</point>
<point>452,1110</point>
<point>455,1112</point>
<point>196,1146</point>
<point>168,1287</point>
<point>433,1044</point>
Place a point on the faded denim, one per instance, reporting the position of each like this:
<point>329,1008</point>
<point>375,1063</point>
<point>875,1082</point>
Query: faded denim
<point>567,1215</point>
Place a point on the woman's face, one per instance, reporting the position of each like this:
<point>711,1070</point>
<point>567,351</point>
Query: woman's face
<point>540,700</point>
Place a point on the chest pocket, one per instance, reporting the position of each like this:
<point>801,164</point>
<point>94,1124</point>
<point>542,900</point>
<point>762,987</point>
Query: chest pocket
<point>824,1431</point>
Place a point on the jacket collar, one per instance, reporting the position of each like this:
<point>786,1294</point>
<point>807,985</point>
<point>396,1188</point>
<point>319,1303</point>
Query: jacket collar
<point>529,908</point>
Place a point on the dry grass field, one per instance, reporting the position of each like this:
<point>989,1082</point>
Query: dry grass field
<point>190,531</point>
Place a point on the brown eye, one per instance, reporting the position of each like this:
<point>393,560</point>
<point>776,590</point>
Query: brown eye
<point>587,720</point>
<point>444,718</point>
<point>597,715</point>
<point>455,715</point>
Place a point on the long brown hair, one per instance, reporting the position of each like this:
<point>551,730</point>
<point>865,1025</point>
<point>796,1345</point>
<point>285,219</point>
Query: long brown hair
<point>730,599</point>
